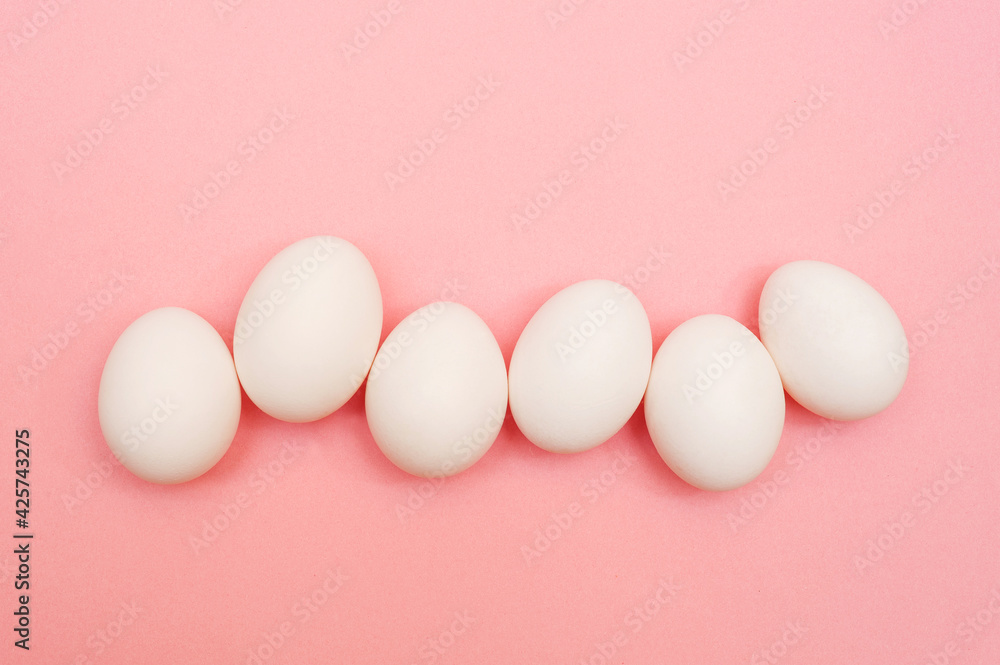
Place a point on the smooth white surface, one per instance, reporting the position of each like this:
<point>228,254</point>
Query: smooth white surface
<point>169,399</point>
<point>714,406</point>
<point>308,329</point>
<point>838,345</point>
<point>580,367</point>
<point>437,392</point>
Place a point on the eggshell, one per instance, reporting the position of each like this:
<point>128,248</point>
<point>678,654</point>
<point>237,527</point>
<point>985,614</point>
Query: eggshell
<point>714,405</point>
<point>437,392</point>
<point>169,399</point>
<point>308,329</point>
<point>838,345</point>
<point>580,367</point>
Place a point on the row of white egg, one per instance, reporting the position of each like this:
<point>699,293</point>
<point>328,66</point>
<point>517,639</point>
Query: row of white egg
<point>307,335</point>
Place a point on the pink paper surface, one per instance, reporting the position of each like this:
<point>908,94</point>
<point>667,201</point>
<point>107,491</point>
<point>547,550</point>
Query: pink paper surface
<point>627,123</point>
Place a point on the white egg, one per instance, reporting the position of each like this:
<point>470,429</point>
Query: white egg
<point>838,345</point>
<point>308,329</point>
<point>437,391</point>
<point>580,366</point>
<point>169,399</point>
<point>714,405</point>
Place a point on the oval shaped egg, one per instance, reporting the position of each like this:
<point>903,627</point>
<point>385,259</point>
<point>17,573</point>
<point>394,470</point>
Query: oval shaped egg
<point>437,391</point>
<point>169,399</point>
<point>580,366</point>
<point>714,406</point>
<point>838,345</point>
<point>308,329</point>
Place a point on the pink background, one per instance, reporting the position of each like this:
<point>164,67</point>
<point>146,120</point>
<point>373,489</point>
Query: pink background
<point>730,588</point>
